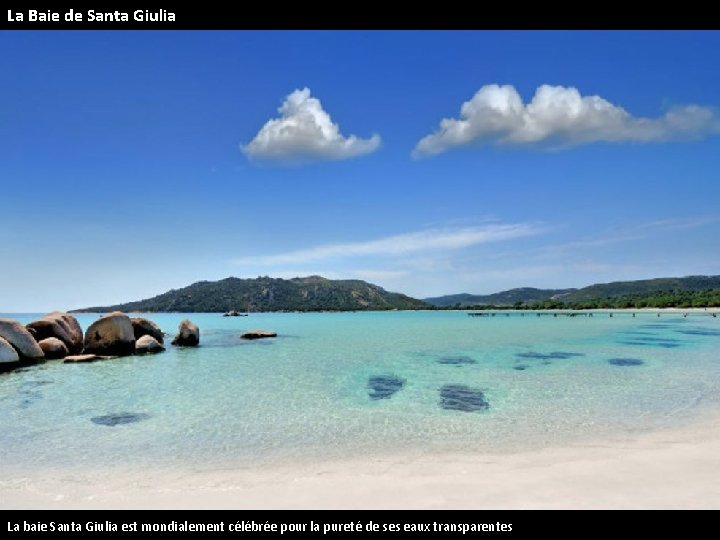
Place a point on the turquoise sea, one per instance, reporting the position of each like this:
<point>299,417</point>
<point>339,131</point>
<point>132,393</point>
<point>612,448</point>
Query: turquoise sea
<point>335,385</point>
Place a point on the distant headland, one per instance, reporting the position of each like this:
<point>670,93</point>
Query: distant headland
<point>316,293</point>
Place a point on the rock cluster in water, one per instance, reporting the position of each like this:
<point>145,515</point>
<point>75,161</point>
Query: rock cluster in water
<point>59,325</point>
<point>145,327</point>
<point>258,334</point>
<point>21,340</point>
<point>148,344</point>
<point>58,335</point>
<point>111,335</point>
<point>188,334</point>
<point>53,348</point>
<point>8,354</point>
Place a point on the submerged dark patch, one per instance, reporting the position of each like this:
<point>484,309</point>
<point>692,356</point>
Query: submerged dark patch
<point>520,367</point>
<point>656,339</point>
<point>623,362</point>
<point>663,344</point>
<point>557,355</point>
<point>533,355</point>
<point>384,386</point>
<point>458,397</point>
<point>456,360</point>
<point>30,394</point>
<point>119,418</point>
<point>699,332</point>
<point>28,401</point>
<point>34,384</point>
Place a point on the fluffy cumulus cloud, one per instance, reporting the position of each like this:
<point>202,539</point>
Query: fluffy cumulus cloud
<point>304,131</point>
<point>558,116</point>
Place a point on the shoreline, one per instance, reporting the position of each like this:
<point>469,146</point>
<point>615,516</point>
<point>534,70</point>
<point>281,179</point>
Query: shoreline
<point>668,468</point>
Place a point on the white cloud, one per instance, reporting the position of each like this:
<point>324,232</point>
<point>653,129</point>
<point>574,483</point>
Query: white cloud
<point>637,232</point>
<point>369,274</point>
<point>432,239</point>
<point>680,223</point>
<point>560,116</point>
<point>509,275</point>
<point>304,132</point>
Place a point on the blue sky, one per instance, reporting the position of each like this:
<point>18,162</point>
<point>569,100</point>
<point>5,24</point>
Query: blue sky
<point>136,162</point>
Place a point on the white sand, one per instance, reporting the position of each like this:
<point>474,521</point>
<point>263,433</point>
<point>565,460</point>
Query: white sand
<point>671,468</point>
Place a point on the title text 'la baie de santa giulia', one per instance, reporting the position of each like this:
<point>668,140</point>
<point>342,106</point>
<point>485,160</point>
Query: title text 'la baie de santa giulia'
<point>139,15</point>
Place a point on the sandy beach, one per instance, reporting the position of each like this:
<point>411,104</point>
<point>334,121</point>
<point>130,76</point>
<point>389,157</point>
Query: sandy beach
<point>669,468</point>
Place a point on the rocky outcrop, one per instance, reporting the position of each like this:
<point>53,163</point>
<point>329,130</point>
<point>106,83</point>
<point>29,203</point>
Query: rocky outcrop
<point>258,334</point>
<point>81,358</point>
<point>110,335</point>
<point>21,340</point>
<point>148,344</point>
<point>145,327</point>
<point>188,334</point>
<point>60,325</point>
<point>232,313</point>
<point>53,348</point>
<point>8,356</point>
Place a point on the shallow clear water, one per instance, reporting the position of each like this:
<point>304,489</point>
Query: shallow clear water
<point>305,394</point>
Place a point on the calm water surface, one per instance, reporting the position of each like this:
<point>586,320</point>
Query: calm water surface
<point>349,384</point>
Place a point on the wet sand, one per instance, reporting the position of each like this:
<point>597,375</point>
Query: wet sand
<point>668,468</point>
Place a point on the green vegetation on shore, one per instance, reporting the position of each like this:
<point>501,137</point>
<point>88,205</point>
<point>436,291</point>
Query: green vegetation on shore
<point>658,292</point>
<point>643,288</point>
<point>662,299</point>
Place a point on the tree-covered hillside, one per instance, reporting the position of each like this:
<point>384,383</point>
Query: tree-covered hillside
<point>607,294</point>
<point>504,298</point>
<point>313,293</point>
<point>662,299</point>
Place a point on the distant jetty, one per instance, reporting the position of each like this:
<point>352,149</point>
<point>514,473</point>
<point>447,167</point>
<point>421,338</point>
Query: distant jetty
<point>707,312</point>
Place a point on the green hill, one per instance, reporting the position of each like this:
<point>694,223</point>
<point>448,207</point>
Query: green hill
<point>673,290</point>
<point>313,293</point>
<point>504,298</point>
<point>617,289</point>
<point>659,299</point>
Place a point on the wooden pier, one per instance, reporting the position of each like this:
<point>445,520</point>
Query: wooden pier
<point>611,314</point>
